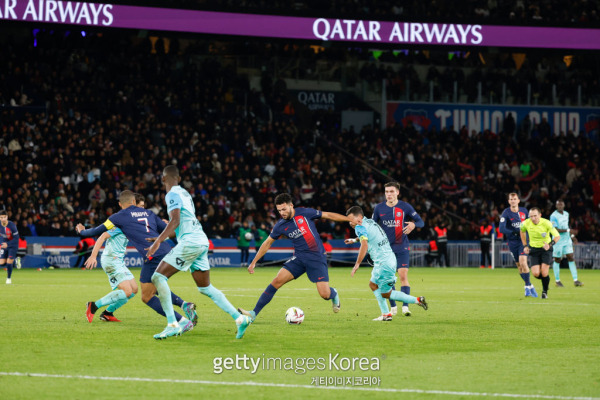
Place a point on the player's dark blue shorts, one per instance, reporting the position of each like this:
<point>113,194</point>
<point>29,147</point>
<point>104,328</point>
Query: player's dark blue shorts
<point>148,270</point>
<point>314,266</point>
<point>9,252</point>
<point>516,249</point>
<point>402,258</point>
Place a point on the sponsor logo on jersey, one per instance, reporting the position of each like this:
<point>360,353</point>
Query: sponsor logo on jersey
<point>390,223</point>
<point>297,233</point>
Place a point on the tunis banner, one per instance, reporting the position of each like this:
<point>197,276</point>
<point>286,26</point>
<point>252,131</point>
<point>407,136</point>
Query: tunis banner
<point>478,118</point>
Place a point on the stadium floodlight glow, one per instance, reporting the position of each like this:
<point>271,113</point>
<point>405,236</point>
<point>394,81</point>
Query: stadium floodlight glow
<point>320,29</point>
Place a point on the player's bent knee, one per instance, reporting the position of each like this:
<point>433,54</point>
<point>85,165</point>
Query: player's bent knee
<point>146,298</point>
<point>324,292</point>
<point>147,295</point>
<point>157,277</point>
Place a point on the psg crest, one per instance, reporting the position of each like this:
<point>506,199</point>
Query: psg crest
<point>300,220</point>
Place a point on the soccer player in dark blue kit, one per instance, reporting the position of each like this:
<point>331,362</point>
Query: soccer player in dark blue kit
<point>510,225</point>
<point>139,225</point>
<point>391,215</point>
<point>9,244</point>
<point>297,224</point>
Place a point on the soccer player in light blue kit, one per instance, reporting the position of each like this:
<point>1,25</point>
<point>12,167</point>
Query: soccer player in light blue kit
<point>373,239</point>
<point>191,253</point>
<point>393,216</point>
<point>120,278</point>
<point>140,225</point>
<point>564,247</point>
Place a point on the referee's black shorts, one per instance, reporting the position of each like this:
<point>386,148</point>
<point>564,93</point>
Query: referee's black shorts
<point>538,256</point>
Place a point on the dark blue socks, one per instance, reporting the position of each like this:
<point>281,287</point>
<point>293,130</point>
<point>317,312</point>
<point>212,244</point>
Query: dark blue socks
<point>154,303</point>
<point>265,298</point>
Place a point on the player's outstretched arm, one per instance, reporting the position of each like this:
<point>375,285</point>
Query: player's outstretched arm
<point>92,261</point>
<point>161,225</point>
<point>334,217</point>
<point>261,252</point>
<point>97,231</point>
<point>174,219</point>
<point>362,253</point>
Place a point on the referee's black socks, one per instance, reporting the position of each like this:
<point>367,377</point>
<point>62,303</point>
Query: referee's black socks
<point>545,282</point>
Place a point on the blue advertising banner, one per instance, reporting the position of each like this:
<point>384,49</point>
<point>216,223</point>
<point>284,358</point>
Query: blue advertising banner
<point>478,118</point>
<point>58,252</point>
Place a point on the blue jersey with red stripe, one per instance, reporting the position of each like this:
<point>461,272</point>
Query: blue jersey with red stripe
<point>9,234</point>
<point>392,220</point>
<point>138,224</point>
<point>301,230</point>
<point>510,223</point>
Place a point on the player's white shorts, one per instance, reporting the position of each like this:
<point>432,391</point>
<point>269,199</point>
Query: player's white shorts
<point>562,249</point>
<point>116,271</point>
<point>191,257</point>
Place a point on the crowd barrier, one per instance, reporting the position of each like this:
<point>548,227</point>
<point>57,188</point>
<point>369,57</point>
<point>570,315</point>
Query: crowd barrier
<point>44,252</point>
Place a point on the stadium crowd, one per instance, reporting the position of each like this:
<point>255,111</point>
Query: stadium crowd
<point>116,115</point>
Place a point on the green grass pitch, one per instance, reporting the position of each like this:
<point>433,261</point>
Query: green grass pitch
<point>480,339</point>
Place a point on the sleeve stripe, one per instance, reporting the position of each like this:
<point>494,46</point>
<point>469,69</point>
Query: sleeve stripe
<point>108,224</point>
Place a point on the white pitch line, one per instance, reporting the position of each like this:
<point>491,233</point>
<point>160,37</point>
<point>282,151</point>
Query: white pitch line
<point>285,385</point>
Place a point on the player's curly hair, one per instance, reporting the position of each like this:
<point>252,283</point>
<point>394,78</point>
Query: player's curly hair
<point>283,198</point>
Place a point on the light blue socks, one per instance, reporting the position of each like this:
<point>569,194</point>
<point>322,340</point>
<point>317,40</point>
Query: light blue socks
<point>112,298</point>
<point>115,306</point>
<point>403,297</point>
<point>164,295</point>
<point>381,301</point>
<point>220,300</point>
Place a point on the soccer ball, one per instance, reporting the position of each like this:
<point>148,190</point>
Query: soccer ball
<point>248,236</point>
<point>294,316</point>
